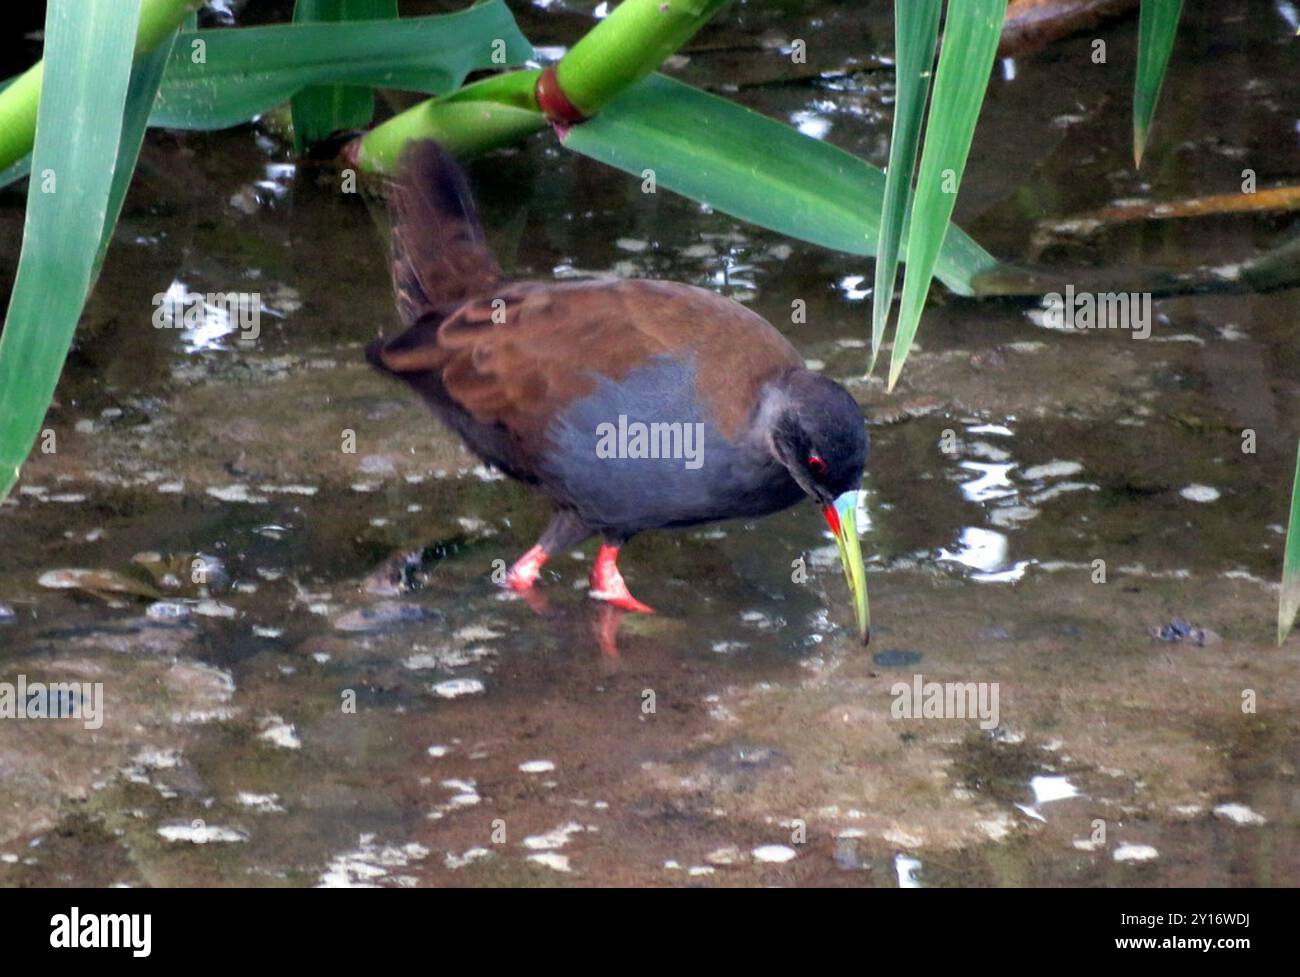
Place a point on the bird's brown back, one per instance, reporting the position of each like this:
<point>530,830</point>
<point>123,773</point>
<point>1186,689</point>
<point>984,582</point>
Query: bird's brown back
<point>521,354</point>
<point>516,353</point>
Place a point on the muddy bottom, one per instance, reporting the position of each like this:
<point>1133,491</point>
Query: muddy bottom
<point>311,677</point>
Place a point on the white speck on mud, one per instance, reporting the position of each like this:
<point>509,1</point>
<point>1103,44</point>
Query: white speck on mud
<point>777,854</point>
<point>982,449</point>
<point>158,759</point>
<point>290,489</point>
<point>537,766</point>
<point>1052,469</point>
<point>466,795</point>
<point>1199,493</point>
<point>729,855</point>
<point>454,861</point>
<point>1010,516</point>
<point>420,662</point>
<point>214,608</point>
<point>454,688</point>
<point>1038,498</point>
<point>1238,814</point>
<point>1054,788</point>
<point>476,632</point>
<point>148,760</point>
<point>1047,789</point>
<point>366,865</point>
<point>757,619</point>
<point>719,712</point>
<point>167,611</point>
<point>199,833</point>
<point>438,750</point>
<point>552,860</point>
<point>556,838</point>
<point>486,474</point>
<point>447,658</point>
<point>235,493</point>
<point>279,733</point>
<point>1134,853</point>
<point>262,803</point>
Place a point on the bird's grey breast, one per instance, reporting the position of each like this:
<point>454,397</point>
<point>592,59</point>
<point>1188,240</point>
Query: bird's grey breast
<point>641,452</point>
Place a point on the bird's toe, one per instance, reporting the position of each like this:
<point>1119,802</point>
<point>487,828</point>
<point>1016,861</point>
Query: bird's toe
<point>624,601</point>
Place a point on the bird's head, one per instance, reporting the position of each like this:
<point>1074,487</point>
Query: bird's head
<point>819,435</point>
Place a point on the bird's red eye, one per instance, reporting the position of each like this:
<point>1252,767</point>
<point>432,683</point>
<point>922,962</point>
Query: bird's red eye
<point>817,465</point>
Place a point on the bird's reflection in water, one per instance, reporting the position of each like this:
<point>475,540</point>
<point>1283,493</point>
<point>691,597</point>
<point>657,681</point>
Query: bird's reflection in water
<point>602,619</point>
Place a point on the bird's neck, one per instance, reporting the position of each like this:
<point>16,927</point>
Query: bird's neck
<point>773,402</point>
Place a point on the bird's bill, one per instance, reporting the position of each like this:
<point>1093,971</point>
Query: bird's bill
<point>842,517</point>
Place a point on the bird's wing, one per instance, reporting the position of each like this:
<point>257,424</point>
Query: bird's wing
<point>519,356</point>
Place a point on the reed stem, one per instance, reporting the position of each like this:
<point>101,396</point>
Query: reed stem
<point>622,49</point>
<point>20,101</point>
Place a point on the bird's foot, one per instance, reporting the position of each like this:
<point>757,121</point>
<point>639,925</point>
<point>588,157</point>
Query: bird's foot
<point>521,577</point>
<point>607,583</point>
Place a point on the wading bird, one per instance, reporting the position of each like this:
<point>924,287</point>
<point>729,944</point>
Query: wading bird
<point>538,377</point>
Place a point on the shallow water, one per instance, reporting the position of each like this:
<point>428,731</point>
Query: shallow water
<point>351,700</point>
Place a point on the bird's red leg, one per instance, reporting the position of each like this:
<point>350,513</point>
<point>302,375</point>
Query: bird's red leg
<point>564,530</point>
<point>607,583</point>
<point>527,569</point>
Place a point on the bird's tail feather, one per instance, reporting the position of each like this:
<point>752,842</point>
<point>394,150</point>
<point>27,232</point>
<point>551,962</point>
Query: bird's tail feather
<point>440,257</point>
